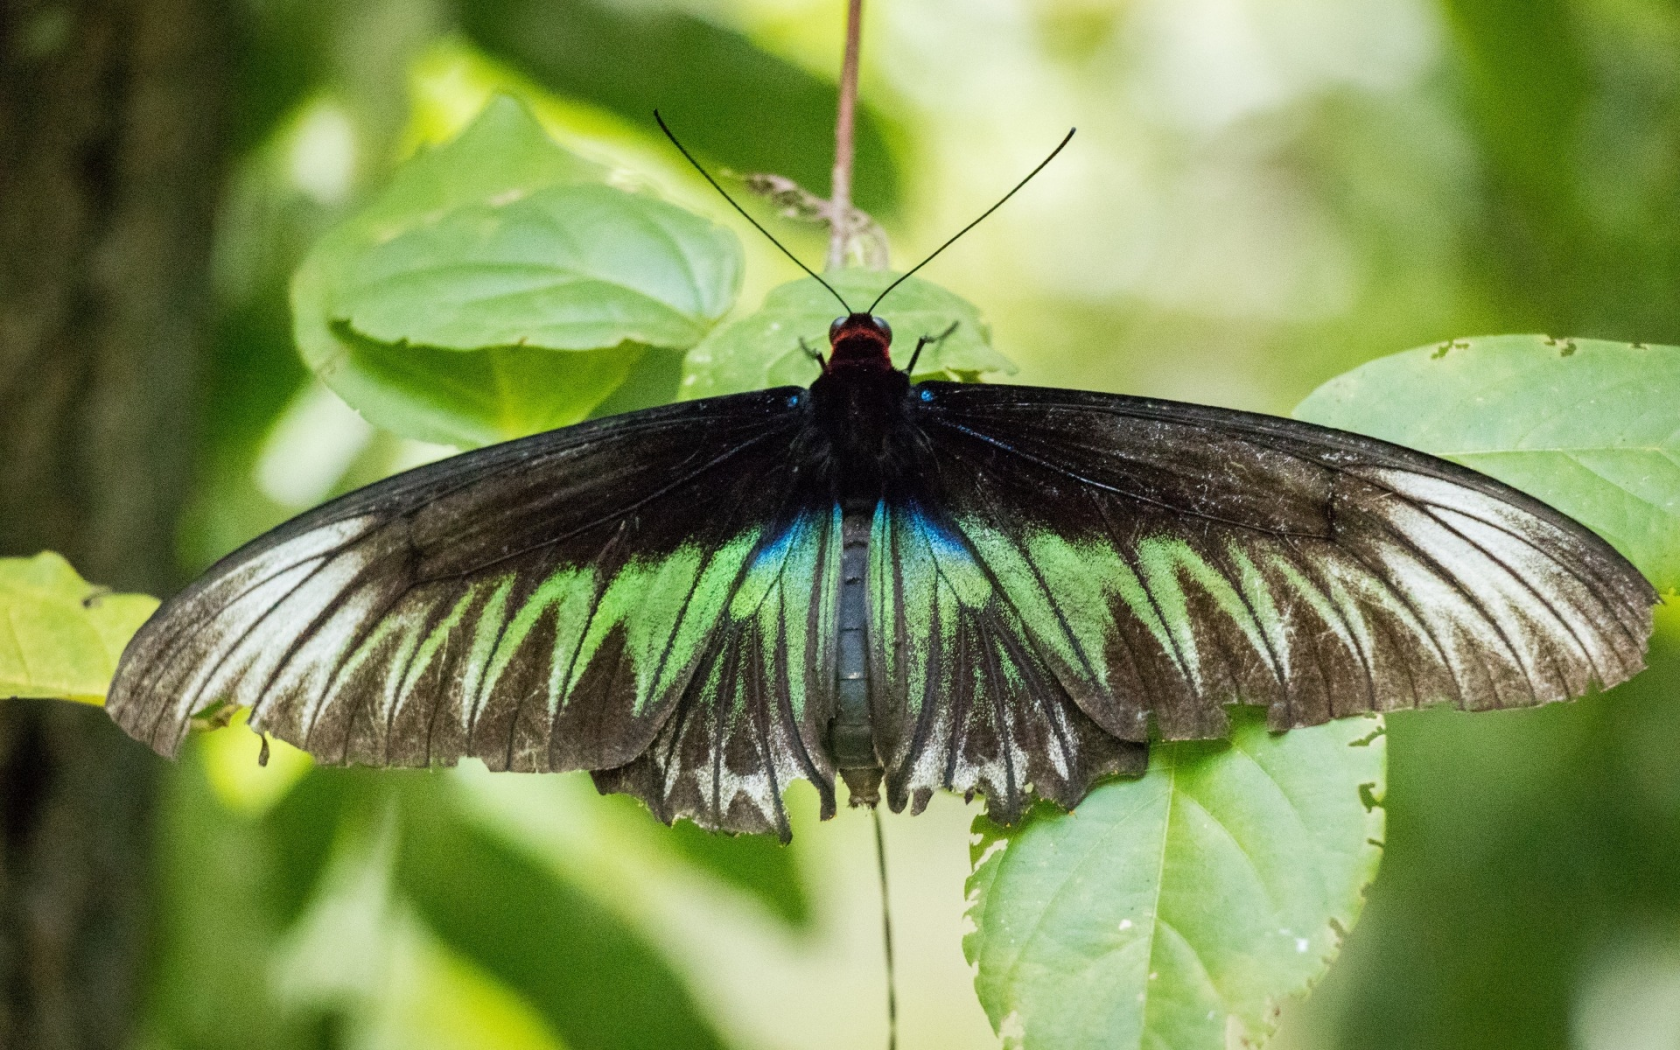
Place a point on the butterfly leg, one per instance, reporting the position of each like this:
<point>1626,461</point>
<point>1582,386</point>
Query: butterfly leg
<point>813,353</point>
<point>925,340</point>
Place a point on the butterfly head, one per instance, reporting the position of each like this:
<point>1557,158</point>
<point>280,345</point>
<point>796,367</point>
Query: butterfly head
<point>859,340</point>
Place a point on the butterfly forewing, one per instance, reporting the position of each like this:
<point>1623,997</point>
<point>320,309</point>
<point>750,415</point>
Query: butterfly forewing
<point>1164,560</point>
<point>548,604</point>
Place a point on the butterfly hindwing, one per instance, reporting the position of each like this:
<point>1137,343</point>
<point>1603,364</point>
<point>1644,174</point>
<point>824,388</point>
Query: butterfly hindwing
<point>546,604</point>
<point>1165,560</point>
<point>963,698</point>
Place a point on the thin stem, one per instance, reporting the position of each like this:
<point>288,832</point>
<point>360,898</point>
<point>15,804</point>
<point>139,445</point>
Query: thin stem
<point>886,932</point>
<point>840,190</point>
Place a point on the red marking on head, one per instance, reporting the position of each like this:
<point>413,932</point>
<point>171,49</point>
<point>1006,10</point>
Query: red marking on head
<point>859,341</point>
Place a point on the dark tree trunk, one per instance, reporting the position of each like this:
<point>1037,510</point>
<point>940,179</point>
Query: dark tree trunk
<point>111,146</point>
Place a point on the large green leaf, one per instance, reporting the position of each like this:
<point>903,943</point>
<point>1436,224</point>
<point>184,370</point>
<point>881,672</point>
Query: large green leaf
<point>496,288</point>
<point>755,865</point>
<point>762,350</point>
<point>60,636</point>
<point>565,268</point>
<point>1590,427</point>
<point>1178,910</point>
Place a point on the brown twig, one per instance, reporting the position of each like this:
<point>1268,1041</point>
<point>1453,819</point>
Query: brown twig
<point>865,240</point>
<point>840,195</point>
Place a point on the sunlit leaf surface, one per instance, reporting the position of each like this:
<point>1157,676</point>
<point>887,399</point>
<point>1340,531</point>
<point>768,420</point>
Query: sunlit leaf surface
<point>1179,910</point>
<point>60,636</point>
<point>564,268</point>
<point>1590,427</point>
<point>496,288</point>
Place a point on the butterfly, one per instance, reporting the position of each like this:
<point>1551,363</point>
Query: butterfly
<point>910,587</point>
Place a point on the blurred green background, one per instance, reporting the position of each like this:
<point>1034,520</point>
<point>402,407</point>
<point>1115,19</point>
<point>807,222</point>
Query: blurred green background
<point>1263,194</point>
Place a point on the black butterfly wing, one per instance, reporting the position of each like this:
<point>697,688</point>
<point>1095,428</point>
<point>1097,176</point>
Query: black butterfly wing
<point>627,593</point>
<point>1156,560</point>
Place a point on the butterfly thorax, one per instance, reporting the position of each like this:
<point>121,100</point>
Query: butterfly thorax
<point>859,399</point>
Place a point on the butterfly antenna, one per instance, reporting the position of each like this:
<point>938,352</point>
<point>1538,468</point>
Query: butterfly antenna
<point>756,225</point>
<point>1041,165</point>
<point>886,932</point>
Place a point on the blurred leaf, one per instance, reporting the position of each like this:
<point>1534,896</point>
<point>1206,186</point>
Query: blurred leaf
<point>377,295</point>
<point>755,864</point>
<point>762,349</point>
<point>1178,910</point>
<point>279,198</point>
<point>1527,86</point>
<point>309,820</point>
<point>281,52</point>
<point>728,98</point>
<point>218,920</point>
<point>452,82</point>
<point>565,268</point>
<point>594,981</point>
<point>60,636</point>
<point>1590,427</point>
<point>439,1001</point>
<point>241,780</point>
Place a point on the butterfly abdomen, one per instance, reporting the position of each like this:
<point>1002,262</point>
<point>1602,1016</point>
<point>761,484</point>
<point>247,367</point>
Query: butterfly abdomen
<point>862,414</point>
<point>852,738</point>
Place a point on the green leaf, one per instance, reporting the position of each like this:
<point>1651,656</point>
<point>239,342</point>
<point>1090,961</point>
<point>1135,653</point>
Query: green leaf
<point>757,865</point>
<point>325,805</point>
<point>496,288</point>
<point>469,399</point>
<point>1590,427</point>
<point>762,350</point>
<point>439,1001</point>
<point>565,268</point>
<point>1179,909</point>
<point>60,636</point>
<point>217,922</point>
